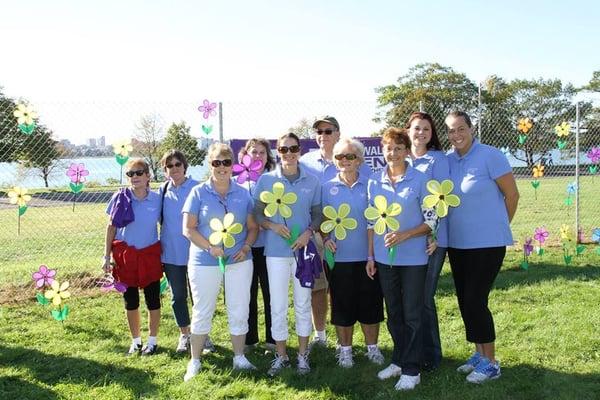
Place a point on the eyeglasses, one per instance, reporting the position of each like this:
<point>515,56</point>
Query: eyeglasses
<point>349,157</point>
<point>139,172</point>
<point>292,149</point>
<point>218,163</point>
<point>177,164</point>
<point>324,131</point>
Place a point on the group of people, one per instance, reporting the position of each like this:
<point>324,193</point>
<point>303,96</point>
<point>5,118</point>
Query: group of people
<point>381,243</point>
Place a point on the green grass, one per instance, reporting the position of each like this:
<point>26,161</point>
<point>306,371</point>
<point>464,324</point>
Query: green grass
<point>547,322</point>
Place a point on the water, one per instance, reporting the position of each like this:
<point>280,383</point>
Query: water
<point>101,170</point>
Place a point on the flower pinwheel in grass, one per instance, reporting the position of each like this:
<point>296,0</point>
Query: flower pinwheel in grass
<point>538,171</point>
<point>278,201</point>
<point>58,292</point>
<point>541,234</point>
<point>25,114</point>
<point>122,148</point>
<point>207,109</point>
<point>18,196</point>
<point>594,154</point>
<point>527,250</point>
<point>441,197</point>
<point>337,221</point>
<point>566,234</point>
<point>248,169</point>
<point>524,125</point>
<point>224,231</point>
<point>562,130</point>
<point>77,173</point>
<point>384,215</point>
<point>44,276</point>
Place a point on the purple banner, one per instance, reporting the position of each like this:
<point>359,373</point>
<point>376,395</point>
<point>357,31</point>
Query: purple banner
<point>373,155</point>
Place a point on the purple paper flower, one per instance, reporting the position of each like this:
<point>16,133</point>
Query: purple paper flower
<point>109,283</point>
<point>207,109</point>
<point>541,234</point>
<point>528,247</point>
<point>247,169</point>
<point>594,155</point>
<point>77,173</point>
<point>44,276</point>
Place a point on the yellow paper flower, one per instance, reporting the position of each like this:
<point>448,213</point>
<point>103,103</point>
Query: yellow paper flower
<point>538,171</point>
<point>278,201</point>
<point>25,114</point>
<point>224,231</point>
<point>383,214</point>
<point>525,125</point>
<point>441,197</point>
<point>566,234</point>
<point>19,196</point>
<point>338,221</point>
<point>123,147</point>
<point>58,292</point>
<point>563,129</point>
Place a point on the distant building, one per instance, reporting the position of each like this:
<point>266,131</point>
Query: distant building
<point>91,142</point>
<point>205,142</point>
<point>101,141</point>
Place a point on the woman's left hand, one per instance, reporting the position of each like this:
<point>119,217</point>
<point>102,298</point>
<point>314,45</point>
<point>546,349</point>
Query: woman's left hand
<point>241,255</point>
<point>301,241</point>
<point>393,238</point>
<point>431,245</point>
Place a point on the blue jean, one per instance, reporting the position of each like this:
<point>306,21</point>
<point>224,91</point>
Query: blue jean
<point>177,278</point>
<point>432,347</point>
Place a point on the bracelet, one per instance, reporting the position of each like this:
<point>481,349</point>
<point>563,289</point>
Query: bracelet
<point>106,258</point>
<point>370,258</point>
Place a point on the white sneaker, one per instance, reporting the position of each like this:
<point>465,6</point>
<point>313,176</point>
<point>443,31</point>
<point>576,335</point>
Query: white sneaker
<point>303,366</point>
<point>193,367</point>
<point>390,371</point>
<point>242,363</point>
<point>408,382</point>
<point>345,358</point>
<point>184,343</point>
<point>278,364</point>
<point>375,356</point>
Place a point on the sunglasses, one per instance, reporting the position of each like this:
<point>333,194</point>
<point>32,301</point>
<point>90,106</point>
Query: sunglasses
<point>324,131</point>
<point>177,164</point>
<point>349,157</point>
<point>139,172</point>
<point>218,163</point>
<point>292,149</point>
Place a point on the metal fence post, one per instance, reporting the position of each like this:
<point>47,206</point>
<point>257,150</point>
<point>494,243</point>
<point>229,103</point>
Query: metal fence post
<point>221,122</point>
<point>420,105</point>
<point>479,112</point>
<point>577,122</point>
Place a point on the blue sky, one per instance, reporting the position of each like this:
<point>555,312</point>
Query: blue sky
<point>269,51</point>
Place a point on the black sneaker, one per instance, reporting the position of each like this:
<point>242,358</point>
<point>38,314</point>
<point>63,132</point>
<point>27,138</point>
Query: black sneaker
<point>134,349</point>
<point>149,349</point>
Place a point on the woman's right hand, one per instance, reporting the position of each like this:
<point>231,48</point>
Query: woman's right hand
<point>371,269</point>
<point>281,230</point>
<point>216,251</point>
<point>330,244</point>
<point>107,267</point>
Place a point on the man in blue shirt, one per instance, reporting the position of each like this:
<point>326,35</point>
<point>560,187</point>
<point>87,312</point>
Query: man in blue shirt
<point>320,164</point>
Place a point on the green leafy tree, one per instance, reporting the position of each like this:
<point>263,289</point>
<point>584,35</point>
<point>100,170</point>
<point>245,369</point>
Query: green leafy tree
<point>41,152</point>
<point>179,137</point>
<point>303,129</point>
<point>11,138</point>
<point>435,88</point>
<point>146,141</point>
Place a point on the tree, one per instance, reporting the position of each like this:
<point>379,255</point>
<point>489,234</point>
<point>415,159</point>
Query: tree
<point>11,138</point>
<point>436,88</point>
<point>40,151</point>
<point>303,129</point>
<point>146,141</point>
<point>178,137</point>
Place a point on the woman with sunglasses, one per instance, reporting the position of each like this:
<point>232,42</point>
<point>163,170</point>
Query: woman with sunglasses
<point>354,297</point>
<point>478,233</point>
<point>218,221</point>
<point>398,252</point>
<point>259,149</point>
<point>132,239</point>
<point>426,155</point>
<point>175,246</point>
<point>300,204</point>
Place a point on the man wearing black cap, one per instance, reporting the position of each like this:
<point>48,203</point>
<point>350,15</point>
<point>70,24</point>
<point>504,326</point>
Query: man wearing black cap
<point>320,163</point>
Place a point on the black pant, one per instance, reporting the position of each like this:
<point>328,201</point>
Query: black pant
<point>402,288</point>
<point>259,274</point>
<point>151,297</point>
<point>474,272</point>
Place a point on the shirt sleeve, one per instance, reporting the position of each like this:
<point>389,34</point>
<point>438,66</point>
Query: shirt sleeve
<point>192,203</point>
<point>111,203</point>
<point>497,163</point>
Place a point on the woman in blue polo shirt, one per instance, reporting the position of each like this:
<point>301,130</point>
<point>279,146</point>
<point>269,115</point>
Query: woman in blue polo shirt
<point>478,233</point>
<point>426,155</point>
<point>218,221</point>
<point>296,207</point>
<point>135,250</point>
<point>396,196</point>
<point>354,297</point>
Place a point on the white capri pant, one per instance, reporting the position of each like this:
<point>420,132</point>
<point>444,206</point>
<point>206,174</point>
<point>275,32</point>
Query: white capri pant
<point>280,270</point>
<point>205,285</point>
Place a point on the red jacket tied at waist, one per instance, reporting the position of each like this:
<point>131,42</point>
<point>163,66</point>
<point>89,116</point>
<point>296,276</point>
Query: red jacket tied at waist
<point>136,267</point>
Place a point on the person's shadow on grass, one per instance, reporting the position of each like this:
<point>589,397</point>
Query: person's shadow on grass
<point>51,370</point>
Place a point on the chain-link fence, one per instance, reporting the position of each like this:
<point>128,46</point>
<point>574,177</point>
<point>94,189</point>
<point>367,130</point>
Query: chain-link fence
<point>64,157</point>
